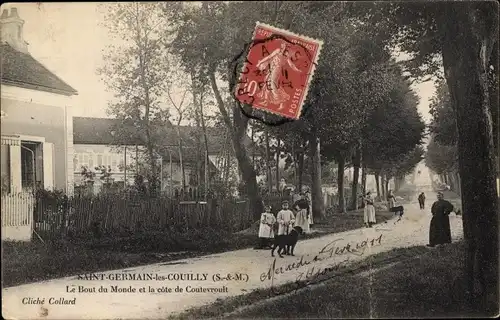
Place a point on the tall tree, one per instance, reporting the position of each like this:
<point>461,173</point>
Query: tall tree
<point>206,41</point>
<point>135,69</point>
<point>467,51</point>
<point>394,131</point>
<point>180,107</point>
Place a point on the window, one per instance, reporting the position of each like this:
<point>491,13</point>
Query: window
<point>75,162</point>
<point>91,162</point>
<point>114,162</point>
<point>5,168</point>
<point>99,160</point>
<point>121,163</point>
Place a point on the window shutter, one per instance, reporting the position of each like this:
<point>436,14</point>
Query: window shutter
<point>48,165</point>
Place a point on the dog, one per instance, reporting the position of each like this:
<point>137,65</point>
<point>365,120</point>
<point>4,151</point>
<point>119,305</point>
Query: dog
<point>398,209</point>
<point>286,242</point>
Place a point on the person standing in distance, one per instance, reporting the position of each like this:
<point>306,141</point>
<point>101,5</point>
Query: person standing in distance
<point>421,200</point>
<point>369,213</point>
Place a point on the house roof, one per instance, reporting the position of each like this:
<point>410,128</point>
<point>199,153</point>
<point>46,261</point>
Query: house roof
<point>21,69</point>
<point>88,130</point>
<point>217,138</point>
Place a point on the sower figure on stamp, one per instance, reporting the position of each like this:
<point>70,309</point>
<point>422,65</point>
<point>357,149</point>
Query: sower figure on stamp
<point>266,228</point>
<point>272,92</point>
<point>285,219</point>
<point>439,231</point>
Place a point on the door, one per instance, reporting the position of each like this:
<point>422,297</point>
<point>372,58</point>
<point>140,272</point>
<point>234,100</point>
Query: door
<point>48,165</point>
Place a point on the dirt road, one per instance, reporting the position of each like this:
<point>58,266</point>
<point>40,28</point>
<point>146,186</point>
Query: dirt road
<point>200,279</point>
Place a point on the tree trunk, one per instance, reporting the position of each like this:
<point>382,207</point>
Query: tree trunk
<point>340,182</point>
<point>205,139</point>
<point>227,167</point>
<point>316,194</point>
<point>451,178</point>
<point>199,148</point>
<point>301,169</point>
<point>247,170</point>
<point>238,127</point>
<point>457,178</point>
<point>387,180</point>
<point>201,166</point>
<point>269,176</point>
<point>181,151</point>
<point>466,55</point>
<point>355,179</point>
<point>278,166</point>
<point>253,149</point>
<point>152,179</point>
<point>377,182</point>
<point>363,178</point>
<point>295,165</point>
<point>382,185</point>
<point>398,183</point>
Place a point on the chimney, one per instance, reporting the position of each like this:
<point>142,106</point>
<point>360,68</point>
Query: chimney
<point>12,30</point>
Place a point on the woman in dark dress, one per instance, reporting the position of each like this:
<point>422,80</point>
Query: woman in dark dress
<point>439,232</point>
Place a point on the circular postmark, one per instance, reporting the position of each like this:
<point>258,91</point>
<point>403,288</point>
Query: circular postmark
<point>269,78</point>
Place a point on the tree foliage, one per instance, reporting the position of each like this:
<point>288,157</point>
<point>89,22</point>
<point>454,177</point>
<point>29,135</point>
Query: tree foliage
<point>394,130</point>
<point>135,69</point>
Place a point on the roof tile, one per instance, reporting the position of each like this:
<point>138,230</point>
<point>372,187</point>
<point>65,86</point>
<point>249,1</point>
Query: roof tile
<point>87,130</point>
<point>22,69</point>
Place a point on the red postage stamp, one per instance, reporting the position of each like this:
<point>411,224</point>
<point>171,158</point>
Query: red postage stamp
<point>278,70</point>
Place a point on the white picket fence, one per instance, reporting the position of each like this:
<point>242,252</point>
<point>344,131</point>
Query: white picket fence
<point>17,209</point>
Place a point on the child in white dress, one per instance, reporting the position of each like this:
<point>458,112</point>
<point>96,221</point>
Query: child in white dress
<point>285,219</point>
<point>266,230</point>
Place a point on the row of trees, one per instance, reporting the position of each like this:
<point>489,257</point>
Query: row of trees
<point>152,98</point>
<point>463,54</point>
<point>359,102</point>
<point>361,110</point>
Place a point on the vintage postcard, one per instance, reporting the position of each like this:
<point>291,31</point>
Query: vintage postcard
<point>135,184</point>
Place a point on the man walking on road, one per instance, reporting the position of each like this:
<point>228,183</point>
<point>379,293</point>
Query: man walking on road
<point>421,200</point>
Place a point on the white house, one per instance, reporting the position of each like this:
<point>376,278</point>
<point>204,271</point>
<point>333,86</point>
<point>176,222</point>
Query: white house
<point>36,124</point>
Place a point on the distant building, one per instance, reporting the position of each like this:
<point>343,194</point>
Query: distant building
<point>96,143</point>
<point>36,130</point>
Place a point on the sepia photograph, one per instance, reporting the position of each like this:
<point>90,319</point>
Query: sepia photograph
<point>250,160</point>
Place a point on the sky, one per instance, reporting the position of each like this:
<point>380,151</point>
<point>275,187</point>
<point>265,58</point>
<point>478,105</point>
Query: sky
<point>67,38</point>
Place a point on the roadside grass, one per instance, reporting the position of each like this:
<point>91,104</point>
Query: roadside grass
<point>33,261</point>
<point>414,282</point>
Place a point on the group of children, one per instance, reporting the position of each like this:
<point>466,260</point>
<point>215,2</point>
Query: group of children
<point>285,219</point>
